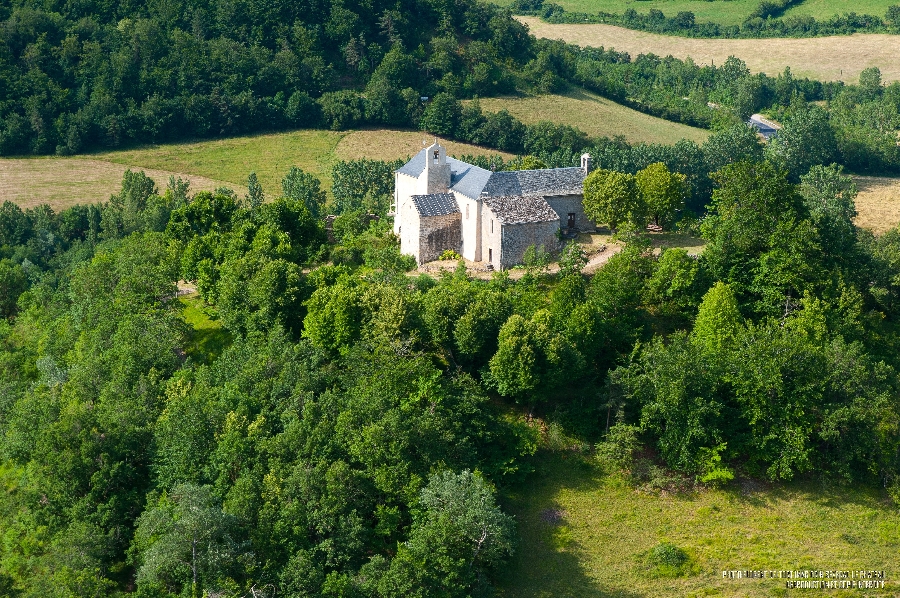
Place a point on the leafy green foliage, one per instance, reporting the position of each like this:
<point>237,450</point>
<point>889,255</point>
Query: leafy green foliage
<point>663,192</point>
<point>613,198</point>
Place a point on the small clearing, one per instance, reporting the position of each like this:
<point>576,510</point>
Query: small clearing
<point>836,58</point>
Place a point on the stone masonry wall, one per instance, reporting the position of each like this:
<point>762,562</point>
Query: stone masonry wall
<point>437,234</point>
<point>516,238</point>
<point>566,204</point>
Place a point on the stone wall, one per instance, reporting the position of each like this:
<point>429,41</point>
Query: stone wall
<point>516,238</point>
<point>438,234</point>
<point>568,204</point>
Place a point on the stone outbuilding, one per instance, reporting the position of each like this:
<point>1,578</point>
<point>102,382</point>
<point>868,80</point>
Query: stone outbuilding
<point>441,203</point>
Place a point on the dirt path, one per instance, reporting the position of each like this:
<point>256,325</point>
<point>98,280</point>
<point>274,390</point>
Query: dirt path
<point>601,258</point>
<point>836,58</point>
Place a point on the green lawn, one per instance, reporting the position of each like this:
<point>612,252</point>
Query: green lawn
<point>208,338</point>
<point>724,12</point>
<point>586,534</point>
<point>823,9</point>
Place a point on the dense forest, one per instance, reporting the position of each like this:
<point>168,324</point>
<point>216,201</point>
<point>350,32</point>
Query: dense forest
<point>346,425</point>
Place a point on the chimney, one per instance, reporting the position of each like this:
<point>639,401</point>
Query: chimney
<point>586,163</point>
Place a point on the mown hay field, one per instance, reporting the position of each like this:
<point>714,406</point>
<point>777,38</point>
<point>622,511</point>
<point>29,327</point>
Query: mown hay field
<point>878,203</point>
<point>585,533</point>
<point>836,58</point>
<point>63,182</point>
<point>596,116</point>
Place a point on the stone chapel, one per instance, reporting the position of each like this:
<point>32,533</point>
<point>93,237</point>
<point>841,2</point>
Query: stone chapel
<point>441,203</point>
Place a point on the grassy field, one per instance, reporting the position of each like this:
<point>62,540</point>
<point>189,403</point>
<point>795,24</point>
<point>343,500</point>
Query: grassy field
<point>724,12</point>
<point>878,203</point>
<point>823,9</point>
<point>596,116</point>
<point>825,58</point>
<point>586,534</point>
<point>62,182</point>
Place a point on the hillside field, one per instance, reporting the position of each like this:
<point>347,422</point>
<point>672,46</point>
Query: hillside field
<point>62,182</point>
<point>596,116</point>
<point>836,58</point>
<point>585,533</point>
<point>724,12</point>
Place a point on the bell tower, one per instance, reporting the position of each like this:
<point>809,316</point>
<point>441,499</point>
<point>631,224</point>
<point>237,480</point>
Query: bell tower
<point>436,176</point>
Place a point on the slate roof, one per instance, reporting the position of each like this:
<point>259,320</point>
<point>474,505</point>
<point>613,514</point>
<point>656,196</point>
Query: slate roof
<point>470,180</point>
<point>519,209</point>
<point>548,181</point>
<point>435,204</point>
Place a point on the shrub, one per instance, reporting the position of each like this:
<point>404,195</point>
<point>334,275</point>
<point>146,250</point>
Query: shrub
<point>667,560</point>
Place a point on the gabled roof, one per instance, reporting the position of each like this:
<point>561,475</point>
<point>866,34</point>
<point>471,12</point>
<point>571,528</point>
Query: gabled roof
<point>435,204</point>
<point>547,181</point>
<point>471,181</point>
<point>519,209</point>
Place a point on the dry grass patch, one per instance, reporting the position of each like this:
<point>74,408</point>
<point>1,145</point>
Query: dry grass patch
<point>825,58</point>
<point>390,144</point>
<point>595,116</point>
<point>64,182</point>
<point>878,203</point>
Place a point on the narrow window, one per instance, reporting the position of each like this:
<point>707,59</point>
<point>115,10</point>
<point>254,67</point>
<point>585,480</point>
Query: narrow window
<point>492,227</point>
<point>437,154</point>
<point>490,256</point>
<point>467,211</point>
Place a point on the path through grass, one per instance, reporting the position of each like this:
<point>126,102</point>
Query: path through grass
<point>586,534</point>
<point>825,58</point>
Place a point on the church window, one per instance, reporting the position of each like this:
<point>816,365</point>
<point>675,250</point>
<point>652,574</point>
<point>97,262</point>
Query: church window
<point>467,211</point>
<point>437,155</point>
<point>492,227</point>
